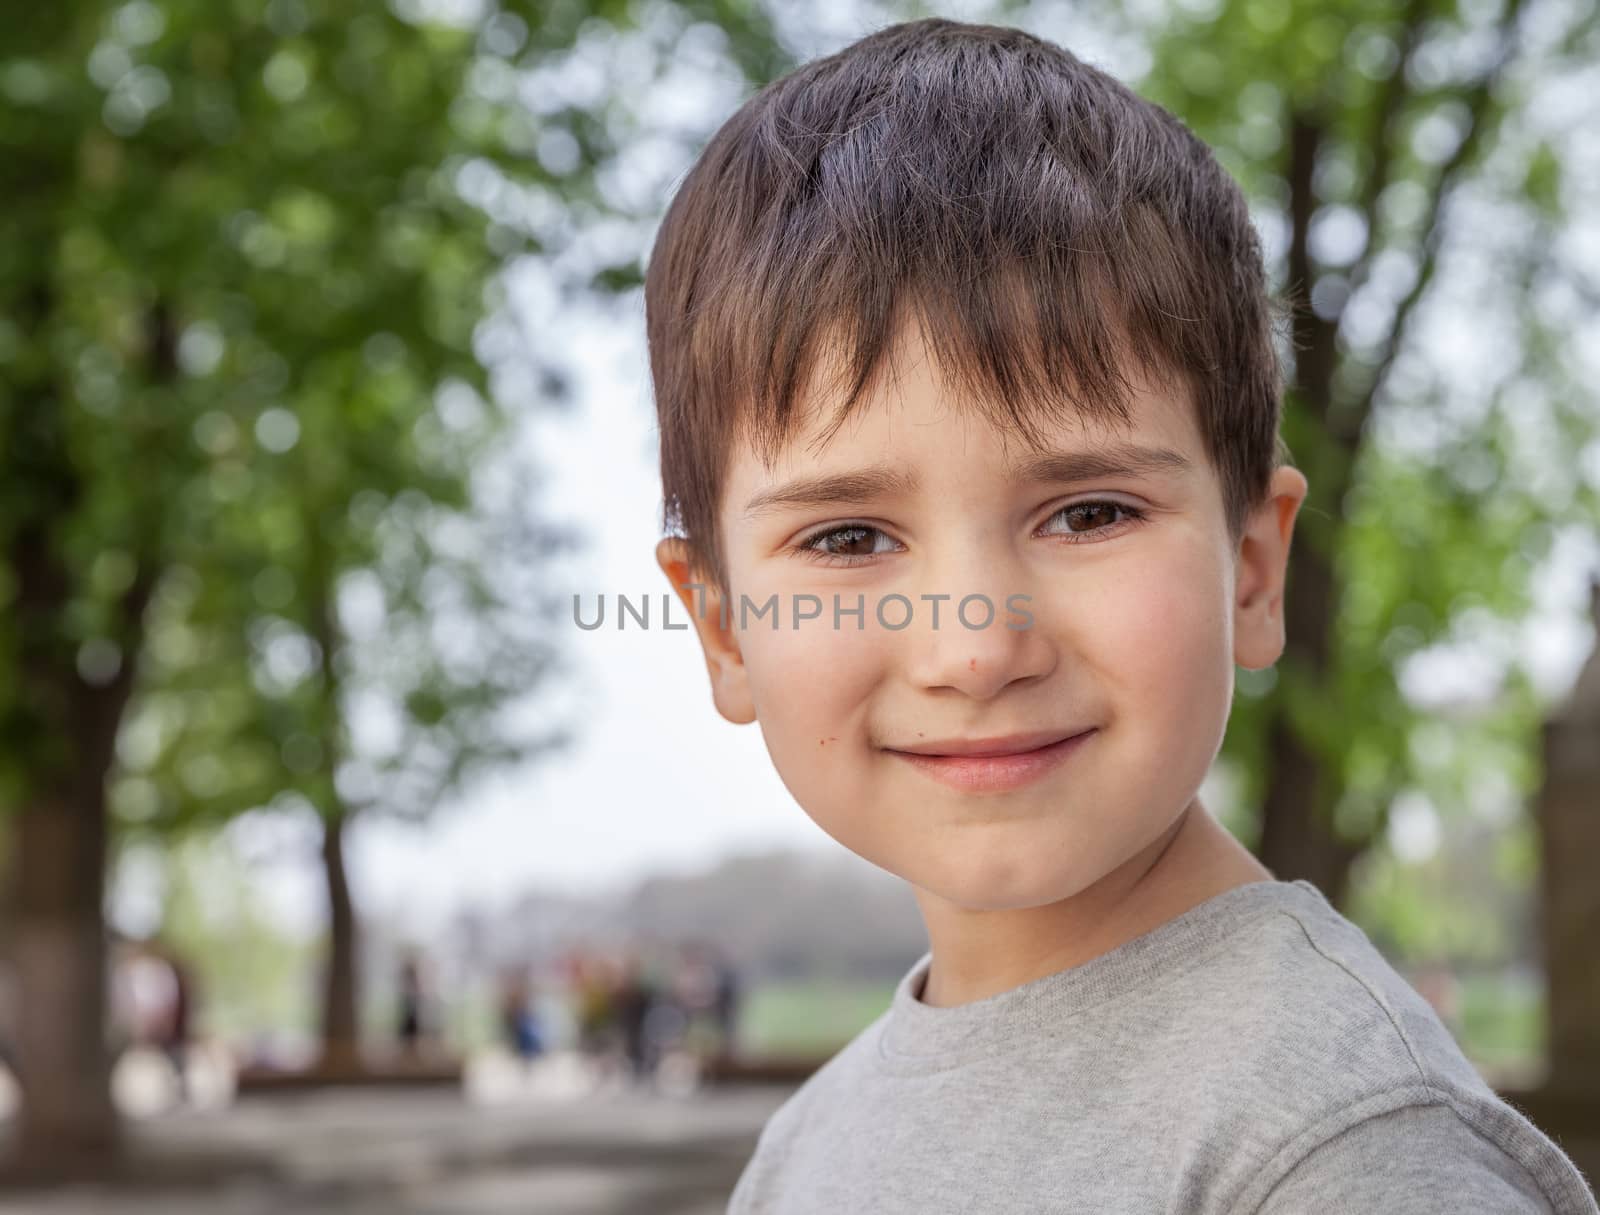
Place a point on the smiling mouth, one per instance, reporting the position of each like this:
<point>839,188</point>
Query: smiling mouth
<point>987,748</point>
<point>995,773</point>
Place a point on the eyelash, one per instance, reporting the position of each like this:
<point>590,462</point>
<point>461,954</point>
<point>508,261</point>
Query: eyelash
<point>805,547</point>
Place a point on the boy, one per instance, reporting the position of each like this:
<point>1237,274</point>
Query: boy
<point>969,436</point>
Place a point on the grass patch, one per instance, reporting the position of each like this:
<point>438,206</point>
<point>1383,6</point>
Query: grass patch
<point>811,1016</point>
<point>1501,1019</point>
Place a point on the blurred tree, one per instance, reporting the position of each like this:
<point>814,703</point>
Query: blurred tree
<point>242,305</point>
<point>1416,169</point>
<point>213,916</point>
<point>365,600</point>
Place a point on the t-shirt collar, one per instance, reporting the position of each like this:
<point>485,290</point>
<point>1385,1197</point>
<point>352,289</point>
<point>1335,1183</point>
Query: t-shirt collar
<point>920,1037</point>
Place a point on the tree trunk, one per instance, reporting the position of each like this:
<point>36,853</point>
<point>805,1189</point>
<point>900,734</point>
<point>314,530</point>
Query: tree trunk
<point>57,936</point>
<point>58,944</point>
<point>1567,812</point>
<point>341,1032</point>
<point>1297,838</point>
<point>340,1026</point>
<point>1325,430</point>
<point>67,728</point>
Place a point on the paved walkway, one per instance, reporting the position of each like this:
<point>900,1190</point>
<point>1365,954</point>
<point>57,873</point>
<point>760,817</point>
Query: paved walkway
<point>363,1152</point>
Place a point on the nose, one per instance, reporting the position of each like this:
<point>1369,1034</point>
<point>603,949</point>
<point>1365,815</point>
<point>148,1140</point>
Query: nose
<point>988,633</point>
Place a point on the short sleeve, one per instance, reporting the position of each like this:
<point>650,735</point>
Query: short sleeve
<point>1416,1160</point>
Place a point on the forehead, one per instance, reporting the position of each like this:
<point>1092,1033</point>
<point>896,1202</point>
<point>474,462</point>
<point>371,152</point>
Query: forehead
<point>913,408</point>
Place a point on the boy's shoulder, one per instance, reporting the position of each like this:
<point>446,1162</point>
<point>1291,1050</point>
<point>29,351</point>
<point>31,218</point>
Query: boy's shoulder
<point>1243,1067</point>
<point>1303,986</point>
<point>1322,1026</point>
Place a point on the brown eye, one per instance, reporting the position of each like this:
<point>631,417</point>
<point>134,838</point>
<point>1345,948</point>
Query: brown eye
<point>849,542</point>
<point>1098,516</point>
<point>845,545</point>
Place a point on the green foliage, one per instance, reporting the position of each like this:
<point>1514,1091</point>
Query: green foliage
<point>256,361</point>
<point>250,319</point>
<point>250,977</point>
<point>249,258</point>
<point>1440,186</point>
<point>1502,1020</point>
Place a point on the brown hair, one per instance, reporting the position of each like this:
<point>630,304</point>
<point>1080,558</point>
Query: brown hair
<point>1020,202</point>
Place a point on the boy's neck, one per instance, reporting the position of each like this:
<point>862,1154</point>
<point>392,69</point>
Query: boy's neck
<point>977,954</point>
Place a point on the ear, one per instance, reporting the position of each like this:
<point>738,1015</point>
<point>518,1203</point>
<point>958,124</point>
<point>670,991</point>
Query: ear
<point>713,624</point>
<point>1260,567</point>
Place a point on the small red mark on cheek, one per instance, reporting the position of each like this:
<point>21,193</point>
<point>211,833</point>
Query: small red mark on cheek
<point>822,742</point>
<point>972,665</point>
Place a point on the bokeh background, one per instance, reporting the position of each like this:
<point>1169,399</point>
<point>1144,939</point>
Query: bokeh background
<point>343,872</point>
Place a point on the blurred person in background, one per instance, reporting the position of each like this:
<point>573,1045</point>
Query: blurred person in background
<point>174,1027</point>
<point>597,1018</point>
<point>635,995</point>
<point>127,987</point>
<point>667,1013</point>
<point>153,997</point>
<point>726,1003</point>
<point>694,988</point>
<point>707,990</point>
<point>519,1020</point>
<point>413,1018</point>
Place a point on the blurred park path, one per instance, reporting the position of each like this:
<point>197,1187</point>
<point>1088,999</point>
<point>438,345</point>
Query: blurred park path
<point>355,1152</point>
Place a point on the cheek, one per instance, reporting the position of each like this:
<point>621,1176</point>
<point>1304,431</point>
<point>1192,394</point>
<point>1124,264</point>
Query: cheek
<point>1162,643</point>
<point>1166,620</point>
<point>813,688</point>
<point>810,681</point>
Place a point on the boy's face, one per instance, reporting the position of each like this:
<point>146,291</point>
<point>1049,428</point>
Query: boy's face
<point>1137,623</point>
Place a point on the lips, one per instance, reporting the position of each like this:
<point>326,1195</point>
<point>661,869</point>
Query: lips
<point>998,745</point>
<point>975,772</point>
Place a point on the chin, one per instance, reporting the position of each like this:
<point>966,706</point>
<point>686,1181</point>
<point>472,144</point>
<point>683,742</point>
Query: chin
<point>1003,883</point>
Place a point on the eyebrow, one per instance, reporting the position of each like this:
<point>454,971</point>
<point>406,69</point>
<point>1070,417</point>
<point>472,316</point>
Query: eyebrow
<point>1117,460</point>
<point>884,480</point>
<point>863,485</point>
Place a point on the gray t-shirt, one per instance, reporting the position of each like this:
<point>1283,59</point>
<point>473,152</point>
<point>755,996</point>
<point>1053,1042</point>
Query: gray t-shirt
<point>1253,1056</point>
